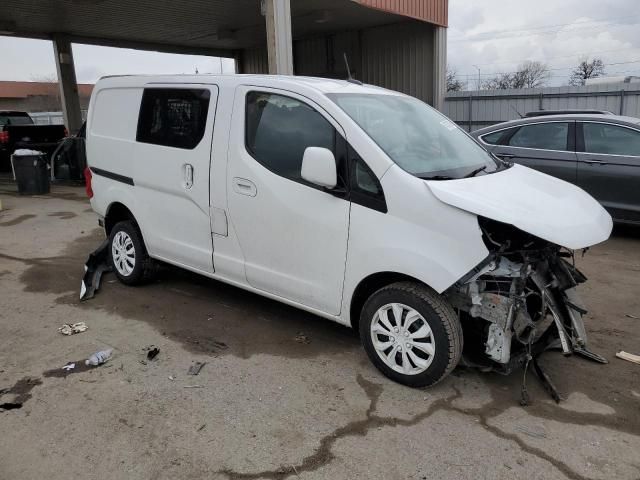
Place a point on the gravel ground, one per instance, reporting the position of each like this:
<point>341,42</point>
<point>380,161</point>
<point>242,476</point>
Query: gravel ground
<point>283,394</point>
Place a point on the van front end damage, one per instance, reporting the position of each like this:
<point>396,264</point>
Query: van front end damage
<point>520,301</point>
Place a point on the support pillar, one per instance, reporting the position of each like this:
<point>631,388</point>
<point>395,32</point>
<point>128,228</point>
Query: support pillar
<point>279,42</point>
<point>68,84</point>
<point>439,67</point>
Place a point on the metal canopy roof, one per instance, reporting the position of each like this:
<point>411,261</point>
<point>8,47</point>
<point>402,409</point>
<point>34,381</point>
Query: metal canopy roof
<point>211,27</point>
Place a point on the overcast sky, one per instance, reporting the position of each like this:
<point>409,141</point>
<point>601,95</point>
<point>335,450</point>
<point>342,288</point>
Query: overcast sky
<point>495,35</point>
<point>25,59</point>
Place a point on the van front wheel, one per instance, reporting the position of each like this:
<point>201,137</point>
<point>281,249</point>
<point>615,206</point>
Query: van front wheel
<point>411,334</point>
<point>128,255</point>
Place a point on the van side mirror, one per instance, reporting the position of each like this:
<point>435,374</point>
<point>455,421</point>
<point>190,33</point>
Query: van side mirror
<point>319,167</point>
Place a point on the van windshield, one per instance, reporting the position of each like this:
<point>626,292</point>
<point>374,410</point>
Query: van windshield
<point>419,139</point>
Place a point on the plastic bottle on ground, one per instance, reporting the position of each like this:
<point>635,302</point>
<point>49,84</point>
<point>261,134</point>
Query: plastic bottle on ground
<point>99,357</point>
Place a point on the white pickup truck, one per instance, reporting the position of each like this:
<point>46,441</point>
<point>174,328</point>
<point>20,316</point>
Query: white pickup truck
<point>356,203</point>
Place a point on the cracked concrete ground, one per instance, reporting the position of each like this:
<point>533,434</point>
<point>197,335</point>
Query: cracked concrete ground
<point>266,405</point>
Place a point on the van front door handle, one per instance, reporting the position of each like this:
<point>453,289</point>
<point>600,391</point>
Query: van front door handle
<point>244,187</point>
<point>505,156</point>
<point>595,162</point>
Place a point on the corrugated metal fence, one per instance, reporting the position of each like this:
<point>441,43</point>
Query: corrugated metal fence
<point>51,118</point>
<point>477,109</point>
<point>398,56</point>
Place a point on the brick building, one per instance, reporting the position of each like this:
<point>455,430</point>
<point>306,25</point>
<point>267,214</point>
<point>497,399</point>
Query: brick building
<point>38,96</point>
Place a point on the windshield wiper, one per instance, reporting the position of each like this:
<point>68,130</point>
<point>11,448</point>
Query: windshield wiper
<point>437,177</point>
<point>476,171</point>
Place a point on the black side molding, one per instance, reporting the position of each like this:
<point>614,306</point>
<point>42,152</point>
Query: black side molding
<point>113,176</point>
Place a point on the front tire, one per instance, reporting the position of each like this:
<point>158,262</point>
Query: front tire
<point>128,255</point>
<point>411,334</point>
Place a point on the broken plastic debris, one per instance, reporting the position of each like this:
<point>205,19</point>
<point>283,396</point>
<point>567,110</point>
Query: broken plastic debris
<point>195,368</point>
<point>628,315</point>
<point>153,353</point>
<point>69,366</point>
<point>73,328</point>
<point>629,357</point>
<point>99,358</point>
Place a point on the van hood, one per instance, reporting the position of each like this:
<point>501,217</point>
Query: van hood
<point>544,206</point>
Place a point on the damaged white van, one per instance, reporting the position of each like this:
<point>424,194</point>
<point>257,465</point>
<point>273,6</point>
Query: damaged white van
<point>356,203</point>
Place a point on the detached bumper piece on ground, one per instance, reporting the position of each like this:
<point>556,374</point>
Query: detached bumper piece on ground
<point>97,264</point>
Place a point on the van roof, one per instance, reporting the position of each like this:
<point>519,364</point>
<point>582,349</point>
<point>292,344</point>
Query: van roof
<point>323,85</point>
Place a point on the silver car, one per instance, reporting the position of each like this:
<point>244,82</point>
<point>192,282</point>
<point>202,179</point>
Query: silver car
<point>599,153</point>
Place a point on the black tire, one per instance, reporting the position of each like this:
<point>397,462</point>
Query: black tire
<point>446,332</point>
<point>144,267</point>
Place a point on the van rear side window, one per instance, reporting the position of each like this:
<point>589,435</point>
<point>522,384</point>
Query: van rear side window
<point>173,117</point>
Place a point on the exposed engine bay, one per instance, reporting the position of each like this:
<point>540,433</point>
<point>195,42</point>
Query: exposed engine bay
<point>520,301</point>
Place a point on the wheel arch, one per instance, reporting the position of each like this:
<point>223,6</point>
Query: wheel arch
<point>369,285</point>
<point>117,212</point>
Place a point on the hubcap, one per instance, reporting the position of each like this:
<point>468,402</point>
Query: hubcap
<point>123,253</point>
<point>402,339</point>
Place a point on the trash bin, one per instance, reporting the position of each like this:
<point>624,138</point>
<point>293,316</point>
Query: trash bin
<point>31,172</point>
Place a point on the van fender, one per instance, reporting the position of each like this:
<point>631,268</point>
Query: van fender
<point>420,237</point>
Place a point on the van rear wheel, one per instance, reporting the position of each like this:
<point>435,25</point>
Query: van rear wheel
<point>411,334</point>
<point>128,255</point>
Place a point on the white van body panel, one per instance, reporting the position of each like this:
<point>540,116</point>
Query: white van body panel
<point>111,125</point>
<point>380,242</point>
<point>540,204</point>
<point>293,236</point>
<point>177,214</point>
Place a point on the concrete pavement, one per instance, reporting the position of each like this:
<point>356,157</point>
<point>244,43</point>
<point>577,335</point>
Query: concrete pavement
<point>283,394</point>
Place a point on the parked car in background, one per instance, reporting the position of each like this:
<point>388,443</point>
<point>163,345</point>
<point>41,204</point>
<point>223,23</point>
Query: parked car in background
<point>17,130</point>
<point>12,117</point>
<point>356,203</point>
<point>599,153</point>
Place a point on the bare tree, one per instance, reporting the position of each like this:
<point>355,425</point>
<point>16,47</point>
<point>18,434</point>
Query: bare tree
<point>586,69</point>
<point>528,75</point>
<point>454,84</point>
<point>502,81</point>
<point>531,75</point>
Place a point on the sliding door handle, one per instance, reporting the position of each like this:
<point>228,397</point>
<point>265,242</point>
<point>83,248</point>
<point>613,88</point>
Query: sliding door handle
<point>188,176</point>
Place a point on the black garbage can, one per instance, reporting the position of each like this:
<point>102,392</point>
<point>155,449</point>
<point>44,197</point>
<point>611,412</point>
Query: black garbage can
<point>32,174</point>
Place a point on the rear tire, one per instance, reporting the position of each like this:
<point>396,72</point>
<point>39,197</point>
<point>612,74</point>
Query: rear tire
<point>128,255</point>
<point>419,348</point>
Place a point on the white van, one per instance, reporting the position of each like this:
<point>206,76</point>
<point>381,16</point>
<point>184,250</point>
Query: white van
<point>356,203</point>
